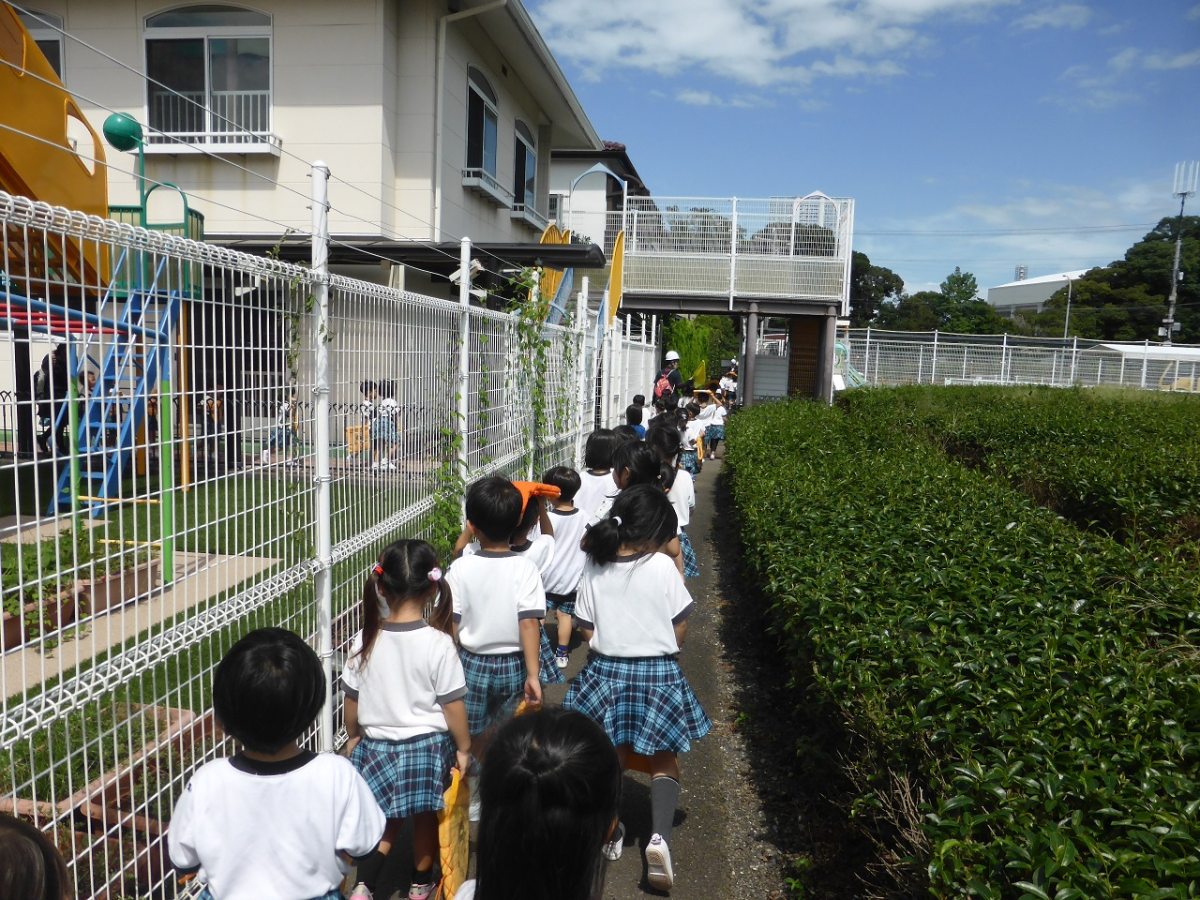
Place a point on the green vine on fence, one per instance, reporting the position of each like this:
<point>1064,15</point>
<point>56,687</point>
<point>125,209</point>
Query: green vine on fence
<point>529,308</point>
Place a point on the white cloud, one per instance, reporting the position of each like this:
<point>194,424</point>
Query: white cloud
<point>1065,15</point>
<point>760,43</point>
<point>694,97</point>
<point>1172,61</point>
<point>1194,12</point>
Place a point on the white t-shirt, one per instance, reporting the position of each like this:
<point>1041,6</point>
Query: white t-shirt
<point>492,591</point>
<point>707,412</point>
<point>720,415</point>
<point>683,497</point>
<point>632,605</point>
<point>367,410</point>
<point>540,552</point>
<point>273,829</point>
<point>562,576</point>
<point>695,428</point>
<point>413,671</point>
<point>388,408</point>
<point>593,489</point>
<point>466,892</point>
<point>604,508</point>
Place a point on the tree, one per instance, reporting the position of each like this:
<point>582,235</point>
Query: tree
<point>870,287</point>
<point>959,288</point>
<point>701,339</point>
<point>912,312</point>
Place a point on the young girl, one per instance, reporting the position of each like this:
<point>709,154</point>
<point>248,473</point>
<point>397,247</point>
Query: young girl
<point>633,463</point>
<point>596,480</point>
<point>551,787</point>
<point>32,868</point>
<point>693,440</point>
<point>714,431</point>
<point>404,709</point>
<point>681,491</point>
<point>632,607</point>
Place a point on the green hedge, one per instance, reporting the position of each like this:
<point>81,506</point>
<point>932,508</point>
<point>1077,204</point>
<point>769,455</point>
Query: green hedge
<point>1040,682</point>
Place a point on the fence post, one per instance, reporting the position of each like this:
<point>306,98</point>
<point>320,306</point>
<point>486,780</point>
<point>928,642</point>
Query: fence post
<point>464,355</point>
<point>604,353</point>
<point>581,370</point>
<point>323,581</point>
<point>1074,355</point>
<point>933,364</point>
<point>732,252</point>
<point>1004,359</point>
<point>867,358</point>
<point>920,361</point>
<point>1145,362</point>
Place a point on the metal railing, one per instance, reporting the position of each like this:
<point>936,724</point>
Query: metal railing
<point>889,358</point>
<point>213,117</point>
<point>119,603</point>
<point>789,248</point>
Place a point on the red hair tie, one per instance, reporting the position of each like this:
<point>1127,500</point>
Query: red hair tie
<point>377,569</point>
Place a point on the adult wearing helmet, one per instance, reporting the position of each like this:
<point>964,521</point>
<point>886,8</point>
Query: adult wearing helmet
<point>669,381</point>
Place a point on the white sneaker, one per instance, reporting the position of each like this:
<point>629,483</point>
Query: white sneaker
<point>390,466</point>
<point>658,864</point>
<point>266,457</point>
<point>375,465</point>
<point>474,810</point>
<point>612,849</point>
<point>360,892</point>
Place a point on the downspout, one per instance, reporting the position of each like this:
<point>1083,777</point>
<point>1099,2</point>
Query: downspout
<point>438,78</point>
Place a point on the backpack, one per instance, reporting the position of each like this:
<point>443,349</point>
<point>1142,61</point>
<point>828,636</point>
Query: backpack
<point>662,387</point>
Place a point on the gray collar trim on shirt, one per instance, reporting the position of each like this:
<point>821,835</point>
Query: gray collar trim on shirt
<point>495,554</point>
<point>403,626</point>
<point>635,557</point>
<point>565,512</point>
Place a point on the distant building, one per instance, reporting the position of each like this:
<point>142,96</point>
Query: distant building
<point>1027,296</point>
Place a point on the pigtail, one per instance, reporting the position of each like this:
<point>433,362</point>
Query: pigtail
<point>602,541</point>
<point>667,473</point>
<point>441,616</point>
<point>370,613</point>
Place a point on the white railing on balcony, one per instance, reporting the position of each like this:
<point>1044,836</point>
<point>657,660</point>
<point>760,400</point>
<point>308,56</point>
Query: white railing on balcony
<point>484,183</point>
<point>215,117</point>
<point>526,213</point>
<point>783,248</point>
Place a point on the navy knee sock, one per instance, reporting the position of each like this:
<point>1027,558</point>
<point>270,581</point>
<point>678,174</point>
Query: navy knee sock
<point>664,797</point>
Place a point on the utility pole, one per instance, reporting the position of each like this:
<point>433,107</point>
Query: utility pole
<point>1185,185</point>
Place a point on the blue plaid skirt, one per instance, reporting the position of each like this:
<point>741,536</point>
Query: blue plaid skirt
<point>688,460</point>
<point>384,431</point>
<point>408,776</point>
<point>332,895</point>
<point>714,433</point>
<point>564,603</point>
<point>549,673</point>
<point>645,702</point>
<point>496,683</point>
<point>691,568</point>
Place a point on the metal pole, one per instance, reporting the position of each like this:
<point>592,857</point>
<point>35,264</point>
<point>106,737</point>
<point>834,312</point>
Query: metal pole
<point>1169,321</point>
<point>1074,357</point>
<point>1067,317</point>
<point>733,256</point>
<point>1004,360</point>
<point>933,364</point>
<point>324,534</point>
<point>746,385</point>
<point>1145,362</point>
<point>581,369</point>
<point>464,354</point>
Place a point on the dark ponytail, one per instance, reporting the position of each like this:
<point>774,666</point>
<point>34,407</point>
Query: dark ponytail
<point>641,517</point>
<point>405,569</point>
<point>639,462</point>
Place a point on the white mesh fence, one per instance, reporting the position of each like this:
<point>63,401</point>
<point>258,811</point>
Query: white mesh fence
<point>891,358</point>
<point>159,491</point>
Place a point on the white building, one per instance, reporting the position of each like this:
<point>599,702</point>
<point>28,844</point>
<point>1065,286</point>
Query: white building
<point>435,118</point>
<point>1029,295</point>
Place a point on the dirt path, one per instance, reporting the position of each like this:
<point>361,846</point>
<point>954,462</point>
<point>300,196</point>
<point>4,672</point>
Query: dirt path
<point>719,847</point>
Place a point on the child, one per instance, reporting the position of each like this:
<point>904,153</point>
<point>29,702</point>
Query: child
<point>283,434</point>
<point>633,608</point>
<point>633,418</point>
<point>551,787</point>
<point>540,551</point>
<point>274,820</point>
<point>498,603</point>
<point>596,480</point>
<point>633,463</point>
<point>681,491</point>
<point>366,413</point>
<point>626,433</point>
<point>404,710</point>
<point>562,577</point>
<point>385,434</point>
<point>714,431</point>
<point>32,868</point>
<point>693,440</point>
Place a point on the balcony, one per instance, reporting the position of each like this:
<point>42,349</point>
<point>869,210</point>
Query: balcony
<point>213,122</point>
<point>725,253</point>
<point>482,182</point>
<point>525,212</point>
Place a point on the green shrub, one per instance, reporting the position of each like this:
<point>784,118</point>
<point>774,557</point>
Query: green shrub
<point>1038,684</point>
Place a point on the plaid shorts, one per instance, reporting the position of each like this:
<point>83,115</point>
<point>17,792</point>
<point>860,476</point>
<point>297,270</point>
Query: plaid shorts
<point>564,603</point>
<point>691,568</point>
<point>335,894</point>
<point>407,776</point>
<point>690,461</point>
<point>496,683</point>
<point>643,702</point>
<point>549,672</point>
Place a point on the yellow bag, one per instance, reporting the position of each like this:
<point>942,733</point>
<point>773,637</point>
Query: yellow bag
<point>358,438</point>
<point>454,836</point>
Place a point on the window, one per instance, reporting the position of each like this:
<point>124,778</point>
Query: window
<point>525,174</point>
<point>483,130</point>
<point>213,68</point>
<point>41,27</point>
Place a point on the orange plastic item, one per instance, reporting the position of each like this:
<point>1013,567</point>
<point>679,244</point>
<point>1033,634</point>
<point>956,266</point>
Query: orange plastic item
<point>531,489</point>
<point>454,836</point>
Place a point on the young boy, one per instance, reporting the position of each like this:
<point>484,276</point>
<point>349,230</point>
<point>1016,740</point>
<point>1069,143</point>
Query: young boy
<point>498,602</point>
<point>562,577</point>
<point>273,820</point>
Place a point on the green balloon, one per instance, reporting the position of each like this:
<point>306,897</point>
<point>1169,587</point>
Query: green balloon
<point>122,132</point>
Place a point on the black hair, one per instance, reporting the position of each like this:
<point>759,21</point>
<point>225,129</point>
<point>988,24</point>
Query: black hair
<point>564,478</point>
<point>550,788</point>
<point>660,404</point>
<point>633,415</point>
<point>268,689</point>
<point>640,462</point>
<point>639,399</point>
<point>626,433</point>
<point>692,409</point>
<point>387,389</point>
<point>529,516</point>
<point>494,507</point>
<point>403,571</point>
<point>640,517</point>
<point>30,865</point>
<point>598,452</point>
<point>367,386</point>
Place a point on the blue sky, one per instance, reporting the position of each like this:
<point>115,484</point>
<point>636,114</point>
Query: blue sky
<point>977,133</point>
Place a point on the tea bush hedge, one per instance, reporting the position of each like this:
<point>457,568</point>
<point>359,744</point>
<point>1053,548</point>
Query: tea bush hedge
<point>1040,682</point>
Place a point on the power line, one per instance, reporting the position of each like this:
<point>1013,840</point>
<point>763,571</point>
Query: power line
<point>1003,232</point>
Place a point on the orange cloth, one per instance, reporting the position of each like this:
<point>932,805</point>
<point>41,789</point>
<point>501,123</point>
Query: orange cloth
<point>454,836</point>
<point>531,489</point>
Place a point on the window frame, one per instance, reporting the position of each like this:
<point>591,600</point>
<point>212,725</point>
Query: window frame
<point>45,34</point>
<point>476,176</point>
<point>525,150</point>
<point>245,141</point>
